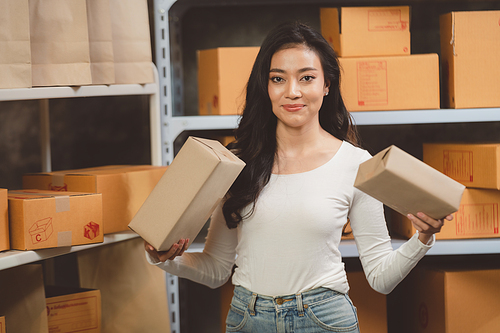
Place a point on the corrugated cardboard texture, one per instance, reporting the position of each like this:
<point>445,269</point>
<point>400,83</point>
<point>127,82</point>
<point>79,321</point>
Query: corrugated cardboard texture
<point>470,50</point>
<point>371,306</point>
<point>367,31</point>
<point>222,77</point>
<point>4,220</point>
<point>73,308</point>
<point>22,299</point>
<point>124,188</point>
<point>390,83</point>
<point>133,292</point>
<point>187,194</point>
<point>474,165</point>
<point>477,217</point>
<point>453,300</point>
<point>408,185</point>
<point>44,219</point>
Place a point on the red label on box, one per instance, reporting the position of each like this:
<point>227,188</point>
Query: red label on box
<point>41,230</point>
<point>372,83</point>
<point>386,20</point>
<point>477,219</point>
<point>457,164</point>
<point>91,230</point>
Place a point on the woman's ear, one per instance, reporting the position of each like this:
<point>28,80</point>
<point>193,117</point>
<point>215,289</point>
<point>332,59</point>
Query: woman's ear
<point>326,90</point>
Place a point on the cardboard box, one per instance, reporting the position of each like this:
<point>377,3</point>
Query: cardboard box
<point>2,324</point>
<point>477,217</point>
<point>44,219</point>
<point>452,300</point>
<point>222,77</point>
<point>367,31</point>
<point>124,188</point>
<point>408,185</point>
<point>22,299</point>
<point>187,194</point>
<point>474,165</point>
<point>73,309</point>
<point>469,59</point>
<point>4,220</point>
<point>390,83</point>
<point>371,306</point>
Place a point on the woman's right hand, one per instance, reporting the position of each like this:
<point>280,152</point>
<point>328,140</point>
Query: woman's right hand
<point>175,250</point>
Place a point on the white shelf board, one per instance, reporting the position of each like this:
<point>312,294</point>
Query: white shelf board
<point>179,124</point>
<point>426,116</point>
<point>77,91</point>
<point>13,258</point>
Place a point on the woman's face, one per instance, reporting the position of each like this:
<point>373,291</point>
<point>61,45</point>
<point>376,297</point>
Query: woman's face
<point>296,86</point>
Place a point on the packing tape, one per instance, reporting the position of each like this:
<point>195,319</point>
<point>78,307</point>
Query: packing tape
<point>58,179</point>
<point>62,203</point>
<point>64,238</point>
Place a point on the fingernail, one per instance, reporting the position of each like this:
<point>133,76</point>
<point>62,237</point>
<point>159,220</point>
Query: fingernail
<point>419,214</point>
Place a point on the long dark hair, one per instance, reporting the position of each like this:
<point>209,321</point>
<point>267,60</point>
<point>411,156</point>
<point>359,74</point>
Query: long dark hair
<point>255,136</point>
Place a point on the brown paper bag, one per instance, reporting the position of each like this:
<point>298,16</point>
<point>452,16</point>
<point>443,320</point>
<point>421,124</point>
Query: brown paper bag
<point>100,42</point>
<point>15,54</point>
<point>59,42</point>
<point>131,41</point>
<point>22,299</point>
<point>133,292</point>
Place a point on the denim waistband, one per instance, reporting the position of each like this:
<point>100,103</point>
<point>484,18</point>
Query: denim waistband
<point>299,301</point>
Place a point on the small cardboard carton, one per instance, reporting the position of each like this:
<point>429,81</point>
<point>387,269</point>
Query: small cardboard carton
<point>73,309</point>
<point>408,185</point>
<point>477,217</point>
<point>367,31</point>
<point>22,299</point>
<point>187,194</point>
<point>451,299</point>
<point>44,219</point>
<point>470,50</point>
<point>222,77</point>
<point>391,82</point>
<point>2,324</point>
<point>371,306</point>
<point>472,164</point>
<point>4,220</point>
<point>124,188</point>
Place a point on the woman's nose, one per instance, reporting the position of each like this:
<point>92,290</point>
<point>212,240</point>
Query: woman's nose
<point>293,90</point>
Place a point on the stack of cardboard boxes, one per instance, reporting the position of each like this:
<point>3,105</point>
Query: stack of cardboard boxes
<point>379,72</point>
<point>58,209</point>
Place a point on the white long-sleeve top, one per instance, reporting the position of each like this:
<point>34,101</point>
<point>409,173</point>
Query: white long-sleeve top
<point>290,244</point>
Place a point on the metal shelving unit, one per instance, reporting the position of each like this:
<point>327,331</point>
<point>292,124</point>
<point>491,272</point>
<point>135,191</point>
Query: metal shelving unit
<point>44,94</point>
<point>12,258</point>
<point>173,126</point>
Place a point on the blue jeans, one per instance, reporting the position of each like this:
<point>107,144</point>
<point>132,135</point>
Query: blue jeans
<point>317,310</point>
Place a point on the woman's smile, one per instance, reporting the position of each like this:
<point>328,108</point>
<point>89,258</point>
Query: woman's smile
<point>293,107</point>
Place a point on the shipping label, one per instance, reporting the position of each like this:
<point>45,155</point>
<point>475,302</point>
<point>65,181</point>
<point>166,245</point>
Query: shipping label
<point>386,20</point>
<point>372,83</point>
<point>76,315</point>
<point>477,219</point>
<point>457,164</point>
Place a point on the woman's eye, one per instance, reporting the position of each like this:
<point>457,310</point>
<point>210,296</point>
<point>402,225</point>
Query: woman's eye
<point>308,78</point>
<point>276,79</point>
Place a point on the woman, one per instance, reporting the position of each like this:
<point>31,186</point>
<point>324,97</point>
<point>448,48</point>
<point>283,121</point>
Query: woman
<point>282,219</point>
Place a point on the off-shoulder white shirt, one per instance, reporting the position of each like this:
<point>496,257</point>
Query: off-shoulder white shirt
<point>290,244</point>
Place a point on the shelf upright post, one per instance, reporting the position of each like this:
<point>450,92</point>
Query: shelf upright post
<point>45,135</point>
<point>162,57</point>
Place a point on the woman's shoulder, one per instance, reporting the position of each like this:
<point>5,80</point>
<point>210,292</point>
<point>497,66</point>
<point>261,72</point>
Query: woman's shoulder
<point>356,154</point>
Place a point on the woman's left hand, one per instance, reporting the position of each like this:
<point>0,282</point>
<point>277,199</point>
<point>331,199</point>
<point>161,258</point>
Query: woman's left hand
<point>427,226</point>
